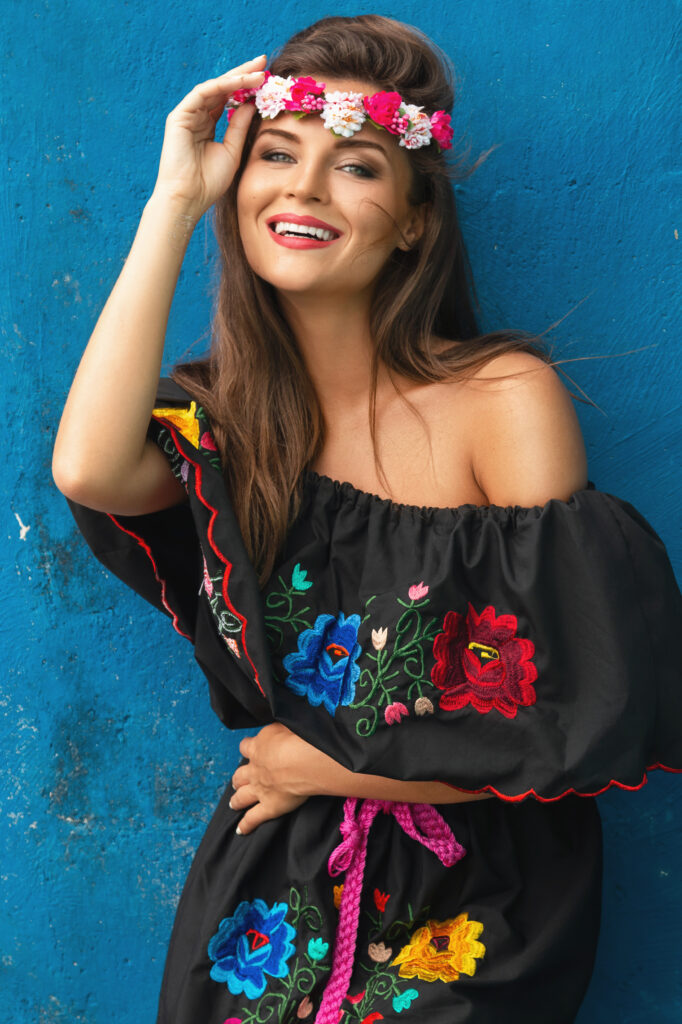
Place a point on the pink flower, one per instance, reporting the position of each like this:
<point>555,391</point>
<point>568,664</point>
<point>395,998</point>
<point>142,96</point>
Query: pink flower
<point>417,591</point>
<point>441,129</point>
<point>304,94</point>
<point>383,107</point>
<point>395,712</point>
<point>208,442</point>
<point>208,582</point>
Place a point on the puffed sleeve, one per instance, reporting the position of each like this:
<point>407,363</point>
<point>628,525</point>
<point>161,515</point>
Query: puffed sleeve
<point>172,559</point>
<point>523,652</point>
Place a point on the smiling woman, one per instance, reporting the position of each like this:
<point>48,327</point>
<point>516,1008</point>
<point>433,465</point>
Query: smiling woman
<point>414,610</point>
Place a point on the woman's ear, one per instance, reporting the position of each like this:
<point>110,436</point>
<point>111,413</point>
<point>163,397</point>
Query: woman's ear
<point>413,227</point>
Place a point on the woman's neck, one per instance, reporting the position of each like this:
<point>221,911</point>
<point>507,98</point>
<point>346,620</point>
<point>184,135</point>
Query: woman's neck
<point>334,338</point>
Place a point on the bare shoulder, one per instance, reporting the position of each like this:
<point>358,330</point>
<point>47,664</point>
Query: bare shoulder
<point>525,440</point>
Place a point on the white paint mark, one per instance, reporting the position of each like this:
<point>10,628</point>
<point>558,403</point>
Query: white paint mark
<point>23,530</point>
<point>676,235</point>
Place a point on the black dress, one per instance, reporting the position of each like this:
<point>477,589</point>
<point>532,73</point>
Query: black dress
<point>526,652</point>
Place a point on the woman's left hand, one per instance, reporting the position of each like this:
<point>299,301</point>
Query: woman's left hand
<point>276,778</point>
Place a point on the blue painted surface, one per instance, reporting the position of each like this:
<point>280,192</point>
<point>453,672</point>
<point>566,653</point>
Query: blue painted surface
<point>111,760</point>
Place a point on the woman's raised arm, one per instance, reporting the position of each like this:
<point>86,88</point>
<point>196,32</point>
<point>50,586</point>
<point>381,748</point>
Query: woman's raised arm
<point>101,457</point>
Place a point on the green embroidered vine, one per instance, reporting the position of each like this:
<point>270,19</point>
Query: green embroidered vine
<point>281,607</point>
<point>405,657</point>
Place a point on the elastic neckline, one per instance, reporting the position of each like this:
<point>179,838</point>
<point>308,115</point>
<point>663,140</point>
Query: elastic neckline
<point>348,492</point>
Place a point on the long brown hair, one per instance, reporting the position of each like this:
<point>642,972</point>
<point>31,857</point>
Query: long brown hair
<point>254,385</point>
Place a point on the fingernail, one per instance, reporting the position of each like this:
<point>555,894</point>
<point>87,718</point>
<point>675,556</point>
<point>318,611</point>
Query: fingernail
<point>229,804</point>
<point>238,831</point>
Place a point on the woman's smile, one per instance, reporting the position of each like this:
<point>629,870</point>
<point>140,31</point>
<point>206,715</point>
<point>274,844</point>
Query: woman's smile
<point>301,232</point>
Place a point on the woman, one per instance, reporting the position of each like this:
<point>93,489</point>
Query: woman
<point>462,622</point>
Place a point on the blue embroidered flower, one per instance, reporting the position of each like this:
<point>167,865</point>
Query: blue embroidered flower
<point>254,942</point>
<point>324,668</point>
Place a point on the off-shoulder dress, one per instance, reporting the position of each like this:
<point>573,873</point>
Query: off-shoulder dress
<point>524,652</point>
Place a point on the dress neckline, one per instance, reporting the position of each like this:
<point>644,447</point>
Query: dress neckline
<point>346,491</point>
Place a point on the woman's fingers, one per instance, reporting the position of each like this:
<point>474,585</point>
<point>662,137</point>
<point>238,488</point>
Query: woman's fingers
<point>252,819</point>
<point>208,94</point>
<point>243,797</point>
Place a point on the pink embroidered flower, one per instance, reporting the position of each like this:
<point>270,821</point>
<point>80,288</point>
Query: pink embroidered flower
<point>395,713</point>
<point>208,442</point>
<point>208,582</point>
<point>305,94</point>
<point>383,107</point>
<point>305,1008</point>
<point>184,471</point>
<point>481,661</point>
<point>232,644</point>
<point>357,998</point>
<point>418,133</point>
<point>272,96</point>
<point>417,591</point>
<point>441,129</point>
<point>379,637</point>
<point>343,113</point>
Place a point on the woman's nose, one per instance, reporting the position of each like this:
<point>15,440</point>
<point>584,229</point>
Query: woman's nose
<point>308,180</point>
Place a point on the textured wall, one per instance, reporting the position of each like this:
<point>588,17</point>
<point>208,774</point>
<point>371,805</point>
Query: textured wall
<point>111,761</point>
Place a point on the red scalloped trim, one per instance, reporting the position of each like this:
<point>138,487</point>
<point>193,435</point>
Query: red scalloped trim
<point>568,792</point>
<point>226,562</point>
<point>147,550</point>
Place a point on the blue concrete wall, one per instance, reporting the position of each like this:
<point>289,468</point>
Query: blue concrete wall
<point>111,760</point>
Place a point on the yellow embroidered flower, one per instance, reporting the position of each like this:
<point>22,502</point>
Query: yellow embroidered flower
<point>184,419</point>
<point>338,893</point>
<point>442,950</point>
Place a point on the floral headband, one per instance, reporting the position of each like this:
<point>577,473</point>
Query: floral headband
<point>344,113</point>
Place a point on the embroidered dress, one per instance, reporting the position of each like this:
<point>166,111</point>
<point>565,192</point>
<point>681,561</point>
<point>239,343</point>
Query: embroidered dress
<point>525,652</point>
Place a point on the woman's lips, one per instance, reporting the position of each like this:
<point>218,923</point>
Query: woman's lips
<point>301,241</point>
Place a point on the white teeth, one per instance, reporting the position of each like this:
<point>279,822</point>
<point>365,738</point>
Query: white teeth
<point>283,227</point>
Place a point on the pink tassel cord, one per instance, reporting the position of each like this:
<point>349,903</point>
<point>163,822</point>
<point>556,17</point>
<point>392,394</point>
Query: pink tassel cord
<point>420,822</point>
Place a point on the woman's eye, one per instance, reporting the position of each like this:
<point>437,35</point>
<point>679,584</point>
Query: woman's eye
<point>277,156</point>
<point>360,170</point>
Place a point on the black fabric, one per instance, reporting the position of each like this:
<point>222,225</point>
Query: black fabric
<point>526,652</point>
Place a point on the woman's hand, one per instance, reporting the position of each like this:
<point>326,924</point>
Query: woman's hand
<point>276,778</point>
<point>194,170</point>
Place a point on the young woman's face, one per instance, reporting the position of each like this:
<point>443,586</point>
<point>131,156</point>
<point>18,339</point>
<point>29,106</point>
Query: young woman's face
<point>352,191</point>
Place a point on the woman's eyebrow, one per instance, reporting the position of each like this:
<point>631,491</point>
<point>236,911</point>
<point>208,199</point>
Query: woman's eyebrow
<point>341,143</point>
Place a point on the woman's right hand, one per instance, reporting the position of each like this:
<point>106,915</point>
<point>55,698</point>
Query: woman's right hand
<point>194,169</point>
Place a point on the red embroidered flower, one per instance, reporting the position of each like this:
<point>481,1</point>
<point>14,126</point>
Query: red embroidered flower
<point>380,900</point>
<point>383,107</point>
<point>481,661</point>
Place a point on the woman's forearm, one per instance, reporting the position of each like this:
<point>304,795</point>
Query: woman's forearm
<point>326,777</point>
<point>100,445</point>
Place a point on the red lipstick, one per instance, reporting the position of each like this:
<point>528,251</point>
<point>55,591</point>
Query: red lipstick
<point>302,241</point>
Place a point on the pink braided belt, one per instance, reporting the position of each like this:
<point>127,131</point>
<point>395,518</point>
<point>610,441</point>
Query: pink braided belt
<point>421,822</point>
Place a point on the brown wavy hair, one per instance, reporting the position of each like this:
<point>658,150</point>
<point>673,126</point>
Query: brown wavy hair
<point>253,384</point>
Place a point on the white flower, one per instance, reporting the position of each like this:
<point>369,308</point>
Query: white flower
<point>419,132</point>
<point>379,637</point>
<point>344,113</point>
<point>272,95</point>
